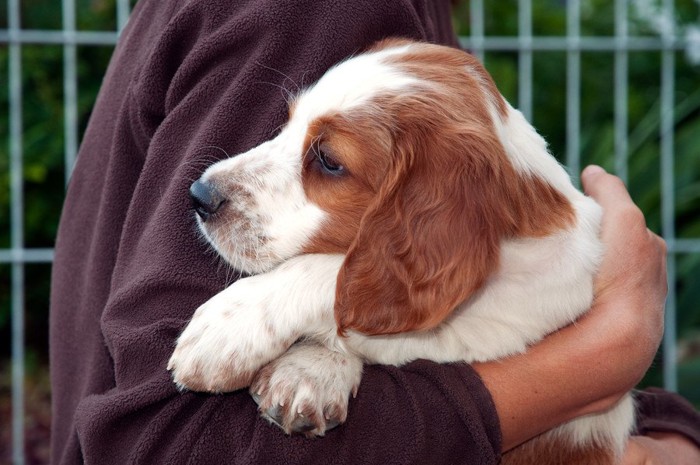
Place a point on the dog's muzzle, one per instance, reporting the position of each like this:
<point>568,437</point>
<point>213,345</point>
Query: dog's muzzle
<point>206,199</point>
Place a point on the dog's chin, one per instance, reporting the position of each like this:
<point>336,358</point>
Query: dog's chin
<point>240,257</point>
<point>250,267</point>
<point>243,253</point>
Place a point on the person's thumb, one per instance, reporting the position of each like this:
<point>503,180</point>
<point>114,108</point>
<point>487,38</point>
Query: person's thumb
<point>588,176</point>
<point>606,189</point>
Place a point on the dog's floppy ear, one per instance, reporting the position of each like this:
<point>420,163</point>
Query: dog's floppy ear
<point>430,239</point>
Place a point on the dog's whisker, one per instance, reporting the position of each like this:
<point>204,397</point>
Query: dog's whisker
<point>286,76</point>
<point>303,76</point>
<point>287,95</point>
<point>279,128</point>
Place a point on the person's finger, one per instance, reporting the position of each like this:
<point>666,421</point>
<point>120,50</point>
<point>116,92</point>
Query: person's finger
<point>603,187</point>
<point>618,207</point>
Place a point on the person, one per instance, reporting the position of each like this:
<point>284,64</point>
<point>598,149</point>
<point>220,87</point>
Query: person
<point>191,82</point>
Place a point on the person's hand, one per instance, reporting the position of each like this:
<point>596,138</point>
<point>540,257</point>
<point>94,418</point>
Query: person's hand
<point>661,449</point>
<point>634,264</point>
<point>631,285</point>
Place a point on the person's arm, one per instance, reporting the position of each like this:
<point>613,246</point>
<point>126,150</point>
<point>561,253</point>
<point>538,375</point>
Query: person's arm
<point>586,367</point>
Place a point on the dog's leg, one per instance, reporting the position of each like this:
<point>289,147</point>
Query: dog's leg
<point>254,321</point>
<point>306,390</point>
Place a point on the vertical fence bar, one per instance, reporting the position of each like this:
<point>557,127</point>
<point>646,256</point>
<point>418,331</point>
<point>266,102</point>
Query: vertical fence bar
<point>525,58</point>
<point>668,66</point>
<point>70,87</point>
<point>123,11</point>
<point>476,28</point>
<point>573,88</point>
<point>16,231</point>
<point>621,90</point>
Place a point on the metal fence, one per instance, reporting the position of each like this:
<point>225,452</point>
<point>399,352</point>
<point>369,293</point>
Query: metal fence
<point>524,44</point>
<point>18,255</point>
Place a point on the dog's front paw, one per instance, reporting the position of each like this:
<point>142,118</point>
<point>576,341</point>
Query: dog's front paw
<point>307,389</point>
<point>228,340</point>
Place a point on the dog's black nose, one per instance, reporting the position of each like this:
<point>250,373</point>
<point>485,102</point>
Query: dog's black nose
<point>206,199</point>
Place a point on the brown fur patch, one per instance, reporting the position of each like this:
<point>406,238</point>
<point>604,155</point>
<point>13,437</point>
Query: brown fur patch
<point>363,148</point>
<point>428,196</point>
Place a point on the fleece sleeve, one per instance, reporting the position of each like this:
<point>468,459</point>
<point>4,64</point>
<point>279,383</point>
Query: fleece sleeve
<point>662,411</point>
<point>190,83</point>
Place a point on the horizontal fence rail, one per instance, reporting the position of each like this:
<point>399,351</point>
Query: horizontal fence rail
<point>59,37</point>
<point>525,45</point>
<point>567,43</point>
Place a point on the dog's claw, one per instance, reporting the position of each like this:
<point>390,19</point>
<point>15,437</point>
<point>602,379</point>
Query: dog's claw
<point>306,399</point>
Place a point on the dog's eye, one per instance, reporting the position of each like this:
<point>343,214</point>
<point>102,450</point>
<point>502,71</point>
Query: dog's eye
<point>329,164</point>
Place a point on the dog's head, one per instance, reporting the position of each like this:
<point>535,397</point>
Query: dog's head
<point>407,160</point>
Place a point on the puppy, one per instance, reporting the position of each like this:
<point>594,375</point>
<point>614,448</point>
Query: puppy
<point>405,211</point>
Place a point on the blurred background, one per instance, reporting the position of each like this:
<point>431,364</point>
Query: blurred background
<point>616,83</point>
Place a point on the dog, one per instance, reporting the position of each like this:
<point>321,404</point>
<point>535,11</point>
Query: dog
<point>405,211</point>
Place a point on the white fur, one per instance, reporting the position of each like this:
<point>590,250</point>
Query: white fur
<point>543,283</point>
<point>350,84</point>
